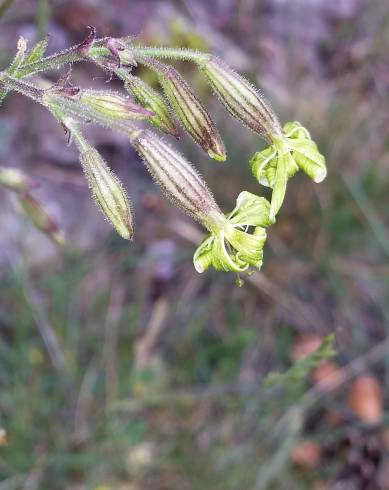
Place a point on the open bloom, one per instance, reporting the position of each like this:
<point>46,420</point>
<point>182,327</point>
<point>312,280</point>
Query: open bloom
<point>236,240</point>
<point>288,153</point>
<point>236,244</point>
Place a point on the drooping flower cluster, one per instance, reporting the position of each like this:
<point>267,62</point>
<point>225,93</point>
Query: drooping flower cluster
<point>236,240</point>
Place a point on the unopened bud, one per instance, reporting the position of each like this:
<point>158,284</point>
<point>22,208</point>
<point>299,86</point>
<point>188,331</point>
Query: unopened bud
<point>177,177</point>
<point>104,108</point>
<point>150,99</point>
<point>191,113</point>
<point>41,217</point>
<point>112,105</point>
<point>240,98</point>
<point>106,188</point>
<point>15,180</point>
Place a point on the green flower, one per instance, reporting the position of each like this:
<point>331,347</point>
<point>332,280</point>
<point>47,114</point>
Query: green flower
<point>290,152</point>
<point>236,242</point>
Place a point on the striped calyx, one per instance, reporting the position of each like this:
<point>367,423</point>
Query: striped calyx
<point>241,99</point>
<point>100,107</point>
<point>193,116</point>
<point>288,153</point>
<point>112,105</point>
<point>151,100</point>
<point>177,177</point>
<point>237,243</point>
<point>106,188</point>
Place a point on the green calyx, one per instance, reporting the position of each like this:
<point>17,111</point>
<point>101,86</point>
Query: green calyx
<point>292,151</point>
<point>236,241</point>
<point>150,99</point>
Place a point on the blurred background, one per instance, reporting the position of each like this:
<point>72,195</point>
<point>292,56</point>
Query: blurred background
<point>120,366</point>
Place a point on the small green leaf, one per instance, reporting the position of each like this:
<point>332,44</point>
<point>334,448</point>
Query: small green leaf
<point>301,369</point>
<point>36,53</point>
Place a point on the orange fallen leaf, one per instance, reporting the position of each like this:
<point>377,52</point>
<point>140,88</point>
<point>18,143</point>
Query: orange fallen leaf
<point>364,399</point>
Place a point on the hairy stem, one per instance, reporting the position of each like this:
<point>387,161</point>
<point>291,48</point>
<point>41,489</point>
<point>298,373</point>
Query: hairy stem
<point>170,53</point>
<point>7,82</point>
<point>51,62</point>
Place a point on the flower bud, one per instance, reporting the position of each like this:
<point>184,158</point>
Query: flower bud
<point>41,217</point>
<point>150,99</point>
<point>239,97</point>
<point>112,105</point>
<point>103,108</point>
<point>191,113</point>
<point>15,180</point>
<point>19,57</point>
<point>176,176</point>
<point>106,188</point>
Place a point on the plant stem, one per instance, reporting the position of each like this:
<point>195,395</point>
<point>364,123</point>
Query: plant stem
<point>73,54</point>
<point>170,53</point>
<point>51,62</point>
<point>11,83</point>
